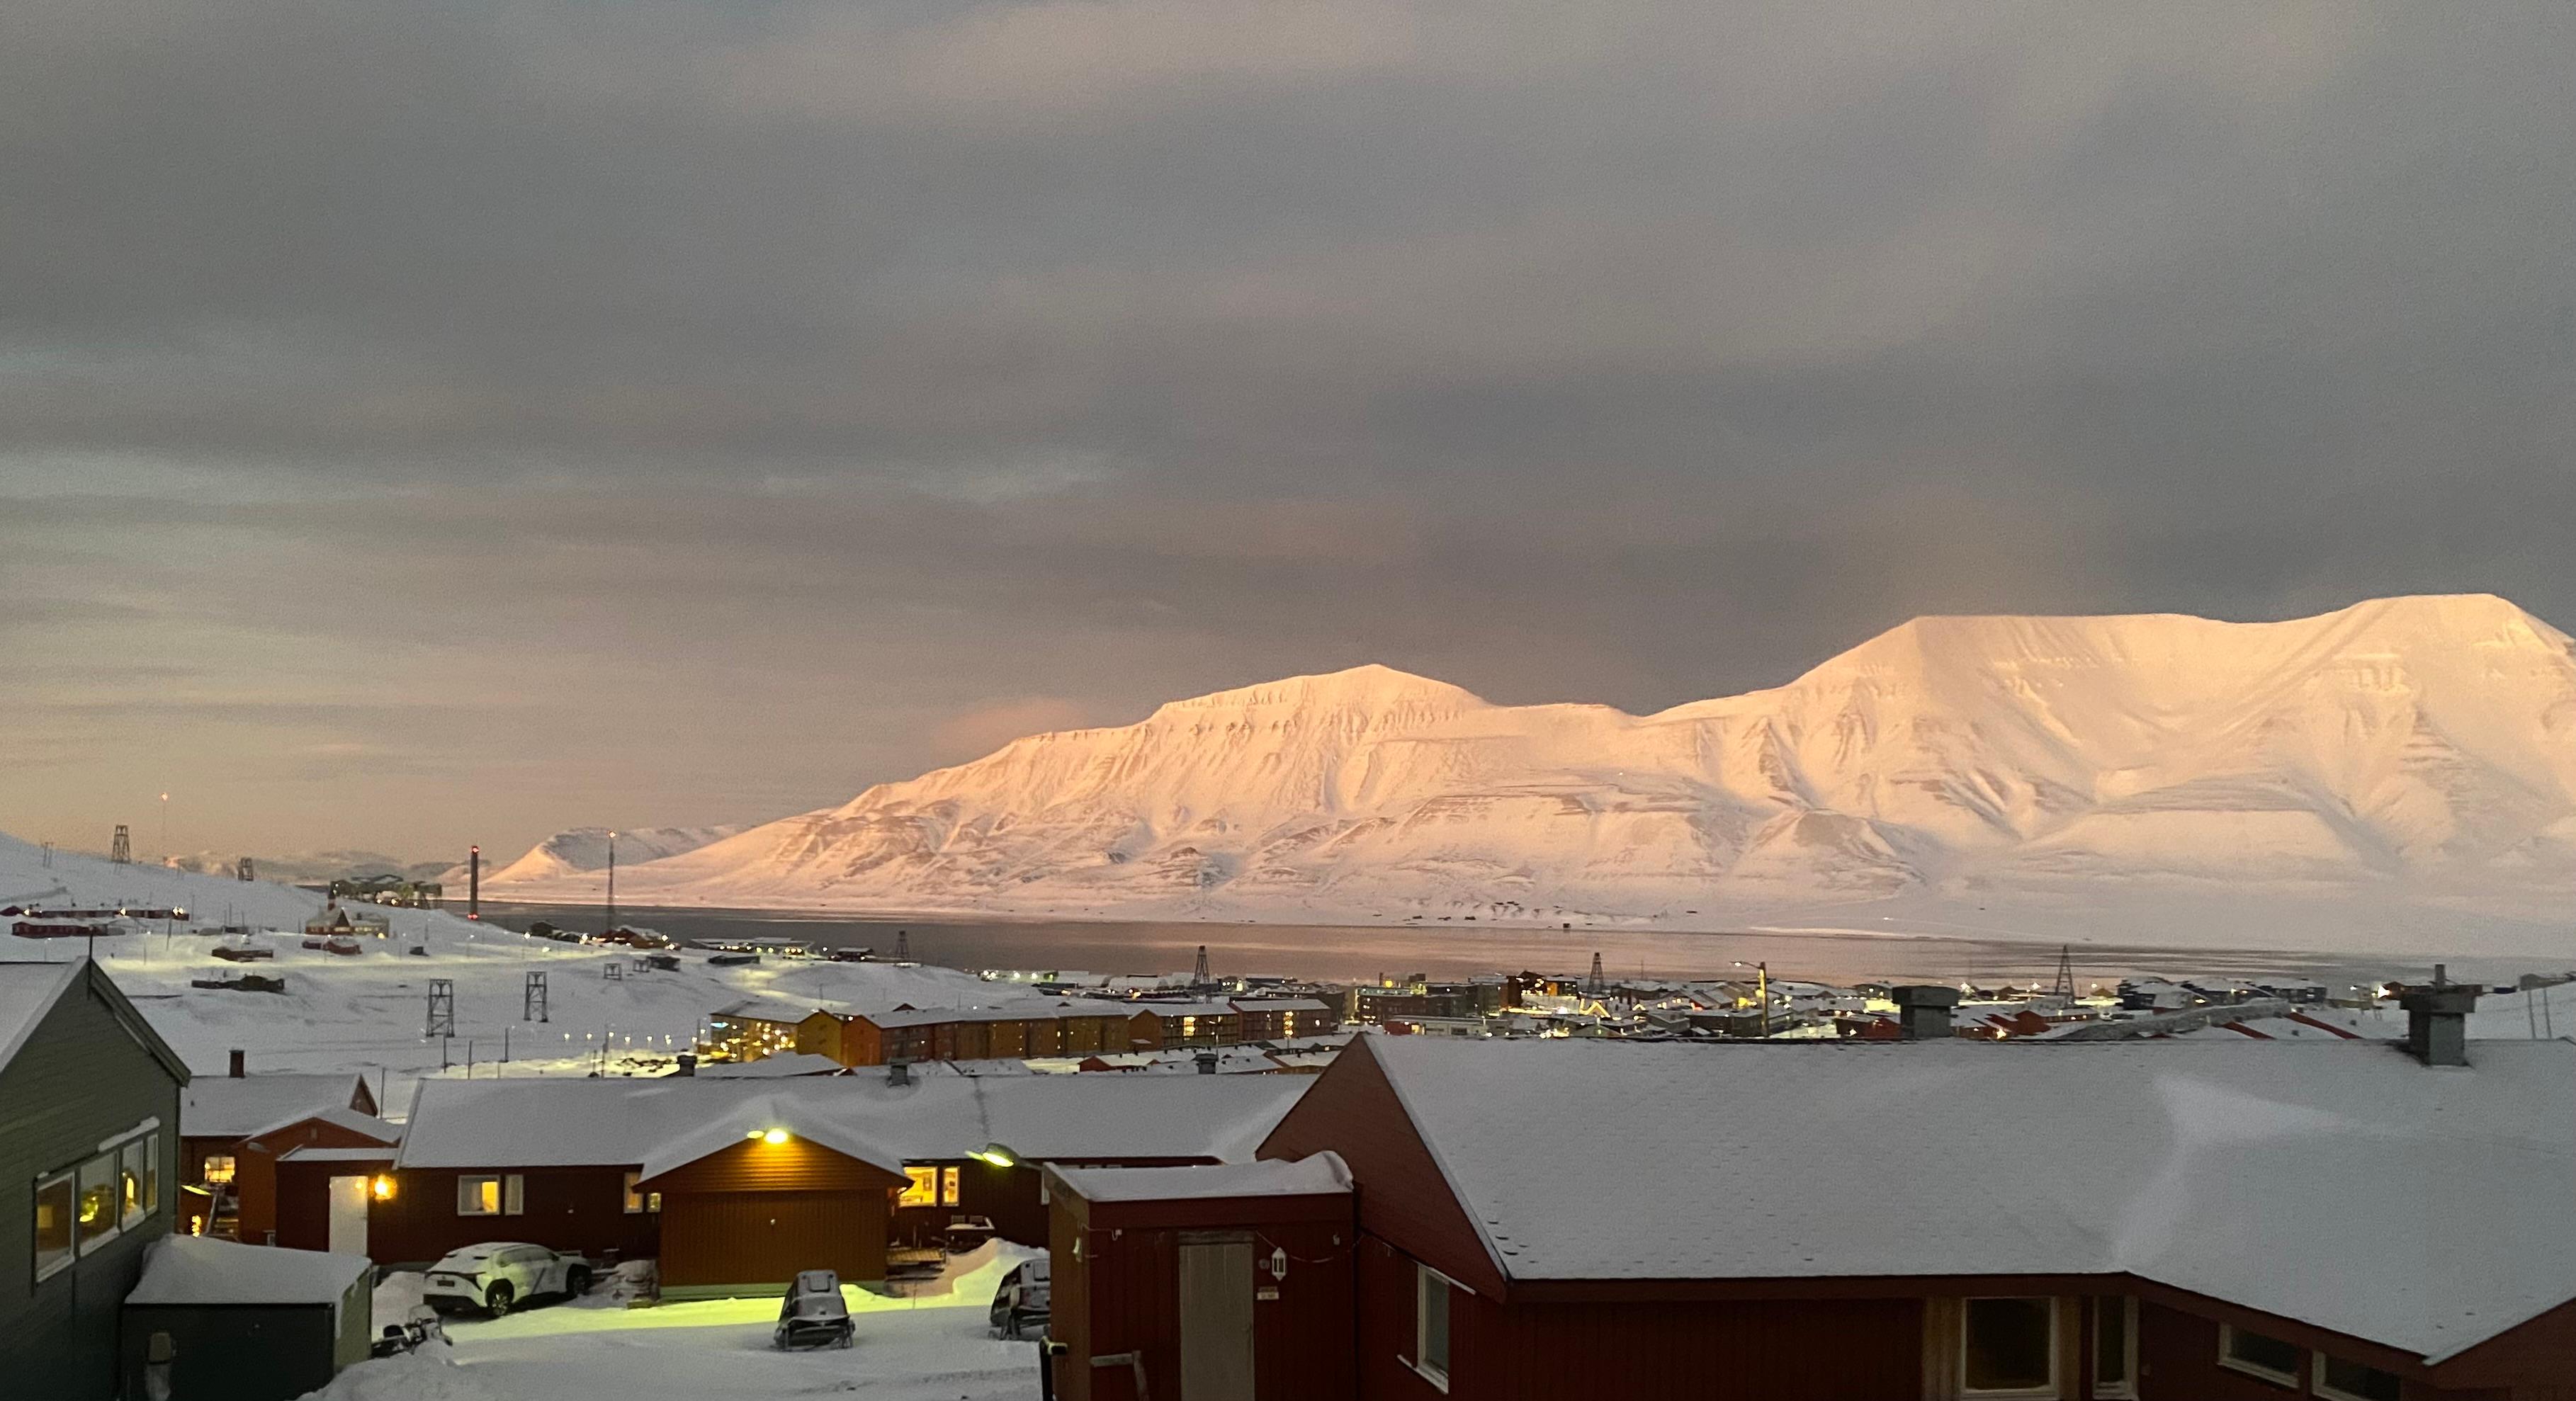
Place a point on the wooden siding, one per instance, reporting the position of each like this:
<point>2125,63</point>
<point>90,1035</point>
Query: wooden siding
<point>255,1172</point>
<point>766,1237</point>
<point>1404,1199</point>
<point>578,1209</point>
<point>85,1074</point>
<point>304,1200</point>
<point>798,1165</point>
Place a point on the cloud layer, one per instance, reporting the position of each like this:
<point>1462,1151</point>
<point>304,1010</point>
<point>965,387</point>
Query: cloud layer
<point>422,424</point>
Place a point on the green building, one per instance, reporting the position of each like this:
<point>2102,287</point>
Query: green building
<point>89,1142</point>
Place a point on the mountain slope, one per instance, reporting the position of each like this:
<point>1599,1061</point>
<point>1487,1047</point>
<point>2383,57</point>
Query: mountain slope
<point>579,851</point>
<point>2425,745</point>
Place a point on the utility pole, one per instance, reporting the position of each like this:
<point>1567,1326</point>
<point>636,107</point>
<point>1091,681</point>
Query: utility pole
<point>474,882</point>
<point>165,827</point>
<point>442,1010</point>
<point>612,882</point>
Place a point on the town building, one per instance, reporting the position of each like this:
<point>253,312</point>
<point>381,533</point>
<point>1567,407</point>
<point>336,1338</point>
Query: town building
<point>89,1122</point>
<point>677,1167</point>
<point>1841,1221</point>
<point>234,1127</point>
<point>230,1322</point>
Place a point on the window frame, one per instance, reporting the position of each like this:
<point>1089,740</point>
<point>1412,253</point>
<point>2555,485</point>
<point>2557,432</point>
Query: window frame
<point>69,1180</point>
<point>948,1180</point>
<point>1425,1281</point>
<point>464,1180</point>
<point>2227,1335</point>
<point>206,1172</point>
<point>112,1159</point>
<point>2125,1389</point>
<point>2318,1385</point>
<point>634,1200</point>
<point>2048,1390</point>
<point>921,1187</point>
<point>134,1182</point>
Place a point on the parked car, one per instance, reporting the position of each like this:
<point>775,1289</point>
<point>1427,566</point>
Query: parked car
<point>498,1276</point>
<point>1021,1306</point>
<point>814,1314</point>
<point>964,1233</point>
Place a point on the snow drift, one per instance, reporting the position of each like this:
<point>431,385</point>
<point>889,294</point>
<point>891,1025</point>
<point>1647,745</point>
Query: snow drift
<point>2422,748</point>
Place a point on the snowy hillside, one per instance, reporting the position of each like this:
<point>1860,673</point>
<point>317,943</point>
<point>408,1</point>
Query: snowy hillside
<point>562,858</point>
<point>2411,753</point>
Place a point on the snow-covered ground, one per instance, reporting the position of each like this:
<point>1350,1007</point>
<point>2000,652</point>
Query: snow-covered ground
<point>368,1012</point>
<point>2398,777</point>
<point>929,1348</point>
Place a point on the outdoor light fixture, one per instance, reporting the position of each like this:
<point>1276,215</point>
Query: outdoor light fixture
<point>384,1188</point>
<point>997,1155</point>
<point>774,1136</point>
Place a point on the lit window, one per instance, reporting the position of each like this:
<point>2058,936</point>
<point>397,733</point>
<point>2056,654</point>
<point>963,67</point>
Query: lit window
<point>921,1187</point>
<point>2008,1347</point>
<point>2344,1380</point>
<point>2258,1354</point>
<point>1189,1027</point>
<point>98,1208</point>
<point>53,1225</point>
<point>219,1169</point>
<point>948,1186</point>
<point>635,1202</point>
<point>131,1182</point>
<point>2115,1348</point>
<point>478,1196</point>
<point>1431,1325</point>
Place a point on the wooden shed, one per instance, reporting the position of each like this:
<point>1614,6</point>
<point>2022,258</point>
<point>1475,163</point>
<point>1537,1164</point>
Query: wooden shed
<point>743,1212</point>
<point>246,1322</point>
<point>1229,1282</point>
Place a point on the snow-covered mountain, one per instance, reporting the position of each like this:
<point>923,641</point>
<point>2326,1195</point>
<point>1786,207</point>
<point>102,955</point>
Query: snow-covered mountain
<point>312,865</point>
<point>2422,748</point>
<point>566,857</point>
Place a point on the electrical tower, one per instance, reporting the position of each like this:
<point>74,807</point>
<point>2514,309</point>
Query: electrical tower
<point>244,873</point>
<point>442,1008</point>
<point>532,1003</point>
<point>1199,971</point>
<point>49,856</point>
<point>1596,985</point>
<point>121,850</point>
<point>2065,989</point>
<point>903,946</point>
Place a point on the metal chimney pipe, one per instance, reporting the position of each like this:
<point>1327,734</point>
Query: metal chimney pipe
<point>1923,1012</point>
<point>2437,1020</point>
<point>237,1068</point>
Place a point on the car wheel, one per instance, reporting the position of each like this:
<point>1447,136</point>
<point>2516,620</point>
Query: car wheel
<point>576,1282</point>
<point>497,1300</point>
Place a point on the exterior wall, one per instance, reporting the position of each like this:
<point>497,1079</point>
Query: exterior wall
<point>762,1239</point>
<point>255,1171</point>
<point>254,1352</point>
<point>580,1209</point>
<point>304,1201</point>
<point>81,1077</point>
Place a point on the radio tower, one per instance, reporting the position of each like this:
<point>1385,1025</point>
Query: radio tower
<point>903,946</point>
<point>121,849</point>
<point>244,872</point>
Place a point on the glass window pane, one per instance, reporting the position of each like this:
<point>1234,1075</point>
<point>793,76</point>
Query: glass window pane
<point>98,1201</point>
<point>2110,1342</point>
<point>219,1169</point>
<point>133,1203</point>
<point>2007,1344</point>
<point>478,1196</point>
<point>922,1187</point>
<point>53,1225</point>
<point>2266,1353</point>
<point>948,1186</point>
<point>152,1173</point>
<point>2343,1378</point>
<point>634,1199</point>
<point>1435,1321</point>
<point>514,1194</point>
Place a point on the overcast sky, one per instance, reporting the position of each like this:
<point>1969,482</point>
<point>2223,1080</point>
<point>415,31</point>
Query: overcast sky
<point>429,423</point>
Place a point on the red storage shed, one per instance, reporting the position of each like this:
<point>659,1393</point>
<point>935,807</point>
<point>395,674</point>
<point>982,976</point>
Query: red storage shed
<point>1229,1280</point>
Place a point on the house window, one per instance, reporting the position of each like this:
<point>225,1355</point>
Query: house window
<point>1431,1325</point>
<point>2008,1347</point>
<point>1189,1027</point>
<point>921,1187</point>
<point>488,1195</point>
<point>2342,1380</point>
<point>948,1186</point>
<point>219,1169</point>
<point>2258,1354</point>
<point>639,1201</point>
<point>54,1210</point>
<point>99,1210</point>
<point>2115,1348</point>
<point>134,1182</point>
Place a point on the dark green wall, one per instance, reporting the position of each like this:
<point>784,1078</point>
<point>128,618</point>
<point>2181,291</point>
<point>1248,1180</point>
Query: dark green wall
<point>82,1077</point>
<point>244,1352</point>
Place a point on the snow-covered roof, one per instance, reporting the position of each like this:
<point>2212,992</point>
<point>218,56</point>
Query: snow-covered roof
<point>1279,1004</point>
<point>340,1116</point>
<point>200,1270</point>
<point>568,1122</point>
<point>756,1010</point>
<point>1048,1009</point>
<point>237,1107</point>
<point>777,1067</point>
<point>752,1115</point>
<point>27,992</point>
<point>2236,1169</point>
<point>1318,1174</point>
<point>310,1154</point>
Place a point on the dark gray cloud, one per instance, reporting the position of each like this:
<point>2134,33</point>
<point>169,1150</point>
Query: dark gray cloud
<point>429,423</point>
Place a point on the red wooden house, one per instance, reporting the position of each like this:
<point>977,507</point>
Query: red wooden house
<point>2158,1221</point>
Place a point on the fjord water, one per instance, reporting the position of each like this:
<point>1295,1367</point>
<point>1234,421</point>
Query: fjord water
<point>1346,953</point>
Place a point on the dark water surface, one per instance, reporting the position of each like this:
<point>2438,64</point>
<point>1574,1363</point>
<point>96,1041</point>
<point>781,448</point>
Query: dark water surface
<point>1345,953</point>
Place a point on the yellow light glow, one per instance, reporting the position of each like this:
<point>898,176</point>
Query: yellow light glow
<point>774,1136</point>
<point>755,1133</point>
<point>384,1188</point>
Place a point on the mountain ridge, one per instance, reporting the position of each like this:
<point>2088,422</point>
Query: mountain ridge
<point>2428,741</point>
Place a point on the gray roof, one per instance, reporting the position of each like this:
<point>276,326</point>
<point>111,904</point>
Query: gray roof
<point>217,1106</point>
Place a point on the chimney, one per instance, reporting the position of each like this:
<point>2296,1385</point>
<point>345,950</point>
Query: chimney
<point>237,1067</point>
<point>899,1071</point>
<point>2437,1020</point>
<point>688,1064</point>
<point>1207,1062</point>
<point>1923,1013</point>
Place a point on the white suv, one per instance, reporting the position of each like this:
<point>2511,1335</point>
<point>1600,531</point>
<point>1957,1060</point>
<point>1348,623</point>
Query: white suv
<point>496,1277</point>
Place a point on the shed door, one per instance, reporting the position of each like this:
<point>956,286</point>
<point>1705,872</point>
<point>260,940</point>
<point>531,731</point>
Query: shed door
<point>1216,1318</point>
<point>349,1215</point>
